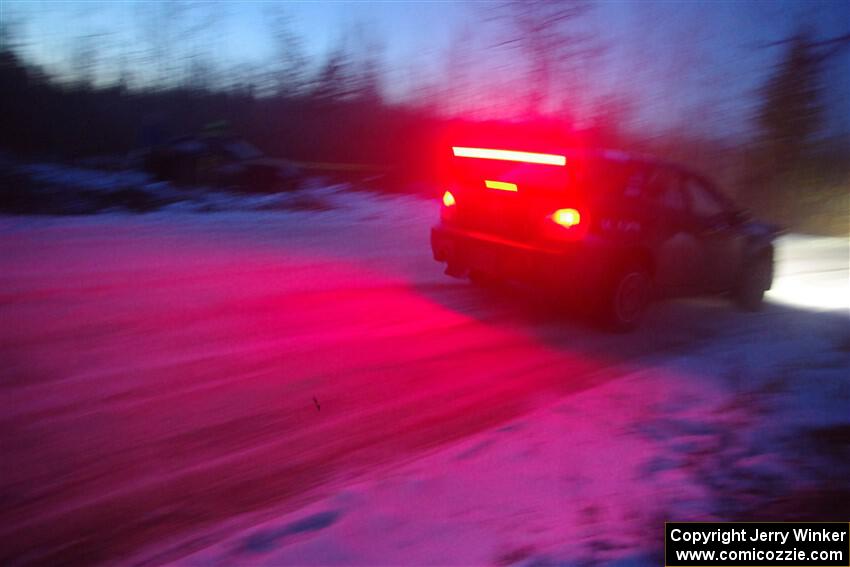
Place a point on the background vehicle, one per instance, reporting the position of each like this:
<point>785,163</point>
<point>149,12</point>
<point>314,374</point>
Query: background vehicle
<point>608,227</point>
<point>220,160</point>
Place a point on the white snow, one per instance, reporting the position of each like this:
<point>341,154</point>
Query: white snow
<point>313,196</point>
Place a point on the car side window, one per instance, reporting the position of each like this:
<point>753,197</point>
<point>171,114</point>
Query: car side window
<point>664,188</point>
<point>704,203</point>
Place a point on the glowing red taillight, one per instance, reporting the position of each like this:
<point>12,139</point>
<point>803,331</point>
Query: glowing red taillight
<point>566,217</point>
<point>563,225</point>
<point>449,199</point>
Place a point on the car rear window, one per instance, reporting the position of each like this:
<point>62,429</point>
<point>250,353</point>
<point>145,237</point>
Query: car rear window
<point>606,178</point>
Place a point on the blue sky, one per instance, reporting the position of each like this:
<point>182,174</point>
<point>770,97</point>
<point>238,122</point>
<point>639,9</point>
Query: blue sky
<point>672,58</point>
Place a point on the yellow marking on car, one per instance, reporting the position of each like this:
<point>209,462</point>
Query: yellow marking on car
<point>500,185</point>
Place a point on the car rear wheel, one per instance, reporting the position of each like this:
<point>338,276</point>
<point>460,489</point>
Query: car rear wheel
<point>627,298</point>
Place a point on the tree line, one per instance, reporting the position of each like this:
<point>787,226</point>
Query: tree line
<point>336,110</point>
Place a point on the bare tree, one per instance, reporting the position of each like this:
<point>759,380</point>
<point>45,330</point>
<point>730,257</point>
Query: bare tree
<point>85,58</point>
<point>352,69</point>
<point>9,32</point>
<point>368,66</point>
<point>333,81</point>
<point>172,31</point>
<point>199,73</point>
<point>289,68</point>
<point>457,90</point>
<point>549,37</point>
<point>792,107</point>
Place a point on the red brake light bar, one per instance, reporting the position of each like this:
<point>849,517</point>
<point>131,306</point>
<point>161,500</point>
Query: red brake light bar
<point>509,155</point>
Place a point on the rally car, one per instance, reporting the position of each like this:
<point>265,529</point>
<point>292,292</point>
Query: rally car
<point>603,228</point>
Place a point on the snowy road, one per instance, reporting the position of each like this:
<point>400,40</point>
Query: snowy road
<point>170,378</point>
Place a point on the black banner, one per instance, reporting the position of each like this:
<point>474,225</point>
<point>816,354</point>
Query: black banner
<point>760,544</point>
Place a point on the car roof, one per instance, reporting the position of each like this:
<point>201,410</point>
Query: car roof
<point>628,157</point>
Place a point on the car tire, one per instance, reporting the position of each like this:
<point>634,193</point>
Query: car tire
<point>754,280</point>
<point>627,297</point>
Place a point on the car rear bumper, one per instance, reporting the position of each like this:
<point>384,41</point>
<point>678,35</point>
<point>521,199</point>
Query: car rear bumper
<point>575,266</point>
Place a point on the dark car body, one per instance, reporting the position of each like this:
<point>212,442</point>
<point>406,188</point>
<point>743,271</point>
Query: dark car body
<point>667,223</point>
<point>226,161</point>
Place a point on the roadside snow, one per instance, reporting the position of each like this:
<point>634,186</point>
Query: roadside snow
<point>83,178</point>
<point>54,188</point>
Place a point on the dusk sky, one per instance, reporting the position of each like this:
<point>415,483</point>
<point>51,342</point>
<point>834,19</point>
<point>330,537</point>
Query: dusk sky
<point>671,58</point>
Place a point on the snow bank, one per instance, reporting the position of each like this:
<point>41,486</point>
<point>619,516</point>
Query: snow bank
<point>51,188</point>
